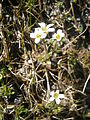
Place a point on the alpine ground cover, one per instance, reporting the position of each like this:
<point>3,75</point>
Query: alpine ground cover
<point>44,59</point>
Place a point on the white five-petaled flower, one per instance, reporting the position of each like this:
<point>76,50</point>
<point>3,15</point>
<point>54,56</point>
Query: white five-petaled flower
<point>58,35</point>
<point>46,28</point>
<point>38,35</point>
<point>56,96</point>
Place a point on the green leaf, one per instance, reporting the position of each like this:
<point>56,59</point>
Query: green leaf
<point>55,111</point>
<point>9,68</point>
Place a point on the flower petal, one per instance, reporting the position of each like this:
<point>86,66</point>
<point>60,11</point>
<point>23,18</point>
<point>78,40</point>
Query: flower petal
<point>37,40</point>
<point>57,91</point>
<point>58,40</point>
<point>49,25</point>
<point>52,93</point>
<point>54,36</point>
<point>62,35</point>
<point>51,99</point>
<point>61,95</point>
<point>59,31</point>
<point>42,24</point>
<point>43,35</point>
<point>32,35</point>
<point>51,29</point>
<point>58,101</point>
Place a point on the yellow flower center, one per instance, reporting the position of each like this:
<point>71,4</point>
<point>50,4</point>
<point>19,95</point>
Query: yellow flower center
<point>57,36</point>
<point>38,36</point>
<point>44,29</point>
<point>56,95</point>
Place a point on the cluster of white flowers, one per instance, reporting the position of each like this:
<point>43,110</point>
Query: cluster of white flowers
<point>56,96</point>
<point>42,31</point>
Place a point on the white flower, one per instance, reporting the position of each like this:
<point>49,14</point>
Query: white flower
<point>46,28</point>
<point>56,96</point>
<point>59,35</point>
<point>37,35</point>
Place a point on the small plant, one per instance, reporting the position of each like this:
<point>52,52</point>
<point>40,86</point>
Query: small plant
<point>42,32</point>
<point>59,35</point>
<point>43,67</point>
<point>55,95</point>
